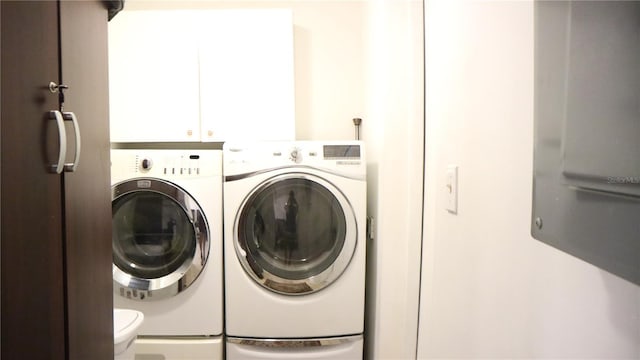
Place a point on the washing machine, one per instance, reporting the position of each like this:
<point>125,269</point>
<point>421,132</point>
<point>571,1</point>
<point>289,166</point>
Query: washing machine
<point>294,230</point>
<point>167,249</point>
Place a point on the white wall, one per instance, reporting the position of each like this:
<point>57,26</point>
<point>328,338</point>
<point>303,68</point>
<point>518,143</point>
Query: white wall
<point>364,58</point>
<point>489,290</point>
<point>395,115</point>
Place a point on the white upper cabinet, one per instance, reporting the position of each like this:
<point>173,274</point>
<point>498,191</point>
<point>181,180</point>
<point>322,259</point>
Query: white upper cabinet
<point>246,73</point>
<point>207,75</point>
<point>153,77</point>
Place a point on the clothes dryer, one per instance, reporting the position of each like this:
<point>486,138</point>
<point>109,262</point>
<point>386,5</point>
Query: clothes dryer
<point>167,248</point>
<point>295,216</point>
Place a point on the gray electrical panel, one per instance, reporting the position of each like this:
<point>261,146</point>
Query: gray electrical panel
<point>586,193</point>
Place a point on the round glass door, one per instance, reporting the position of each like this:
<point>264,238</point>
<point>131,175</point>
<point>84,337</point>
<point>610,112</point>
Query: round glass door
<point>160,239</point>
<point>295,234</point>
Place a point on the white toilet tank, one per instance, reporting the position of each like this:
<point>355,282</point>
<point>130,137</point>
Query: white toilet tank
<point>126,323</point>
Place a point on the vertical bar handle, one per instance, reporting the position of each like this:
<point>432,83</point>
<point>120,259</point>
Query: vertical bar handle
<point>70,116</point>
<point>62,140</point>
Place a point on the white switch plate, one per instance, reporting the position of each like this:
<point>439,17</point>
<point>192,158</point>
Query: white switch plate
<point>451,189</point>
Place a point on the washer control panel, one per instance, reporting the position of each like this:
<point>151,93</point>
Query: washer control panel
<point>169,165</point>
<point>127,163</point>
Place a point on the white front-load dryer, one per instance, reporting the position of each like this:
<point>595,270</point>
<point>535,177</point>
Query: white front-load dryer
<point>294,247</point>
<point>167,248</point>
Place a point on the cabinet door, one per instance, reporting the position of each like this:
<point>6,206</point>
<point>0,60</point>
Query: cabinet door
<point>246,75</point>
<point>33,308</point>
<point>153,77</point>
<point>87,196</point>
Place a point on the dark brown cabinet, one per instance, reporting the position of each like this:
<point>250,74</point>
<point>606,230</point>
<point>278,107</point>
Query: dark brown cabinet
<point>56,295</point>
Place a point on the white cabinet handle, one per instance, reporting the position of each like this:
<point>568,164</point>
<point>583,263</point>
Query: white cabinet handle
<point>62,140</point>
<point>69,116</point>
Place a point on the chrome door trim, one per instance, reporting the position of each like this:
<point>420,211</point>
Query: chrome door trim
<point>70,116</point>
<point>292,168</point>
<point>313,283</point>
<point>295,343</point>
<point>62,141</point>
<point>137,288</point>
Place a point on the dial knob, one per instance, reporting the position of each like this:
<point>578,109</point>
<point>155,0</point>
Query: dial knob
<point>146,164</point>
<point>295,155</point>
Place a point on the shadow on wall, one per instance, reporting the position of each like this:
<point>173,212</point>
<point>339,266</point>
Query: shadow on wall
<point>372,265</point>
<point>627,323</point>
<point>302,80</point>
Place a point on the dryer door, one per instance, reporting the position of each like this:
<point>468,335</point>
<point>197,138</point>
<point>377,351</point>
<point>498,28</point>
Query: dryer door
<point>295,233</point>
<point>160,239</point>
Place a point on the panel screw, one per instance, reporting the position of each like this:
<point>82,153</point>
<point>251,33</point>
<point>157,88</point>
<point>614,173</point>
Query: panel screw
<point>539,223</point>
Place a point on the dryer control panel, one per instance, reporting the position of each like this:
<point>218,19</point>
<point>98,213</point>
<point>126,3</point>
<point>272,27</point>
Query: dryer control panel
<point>347,151</point>
<point>343,157</point>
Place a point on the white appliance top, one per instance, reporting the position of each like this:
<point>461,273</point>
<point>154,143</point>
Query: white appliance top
<point>346,158</point>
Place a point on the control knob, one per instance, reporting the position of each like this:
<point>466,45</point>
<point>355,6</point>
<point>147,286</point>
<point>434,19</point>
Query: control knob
<point>295,155</point>
<point>146,164</point>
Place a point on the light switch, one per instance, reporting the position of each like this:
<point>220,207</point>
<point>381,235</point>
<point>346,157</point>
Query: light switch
<point>451,189</point>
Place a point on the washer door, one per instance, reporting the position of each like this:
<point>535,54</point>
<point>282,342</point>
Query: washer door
<point>295,234</point>
<point>160,239</point>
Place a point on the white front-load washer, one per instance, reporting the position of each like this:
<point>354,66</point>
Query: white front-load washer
<point>167,248</point>
<point>295,218</point>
